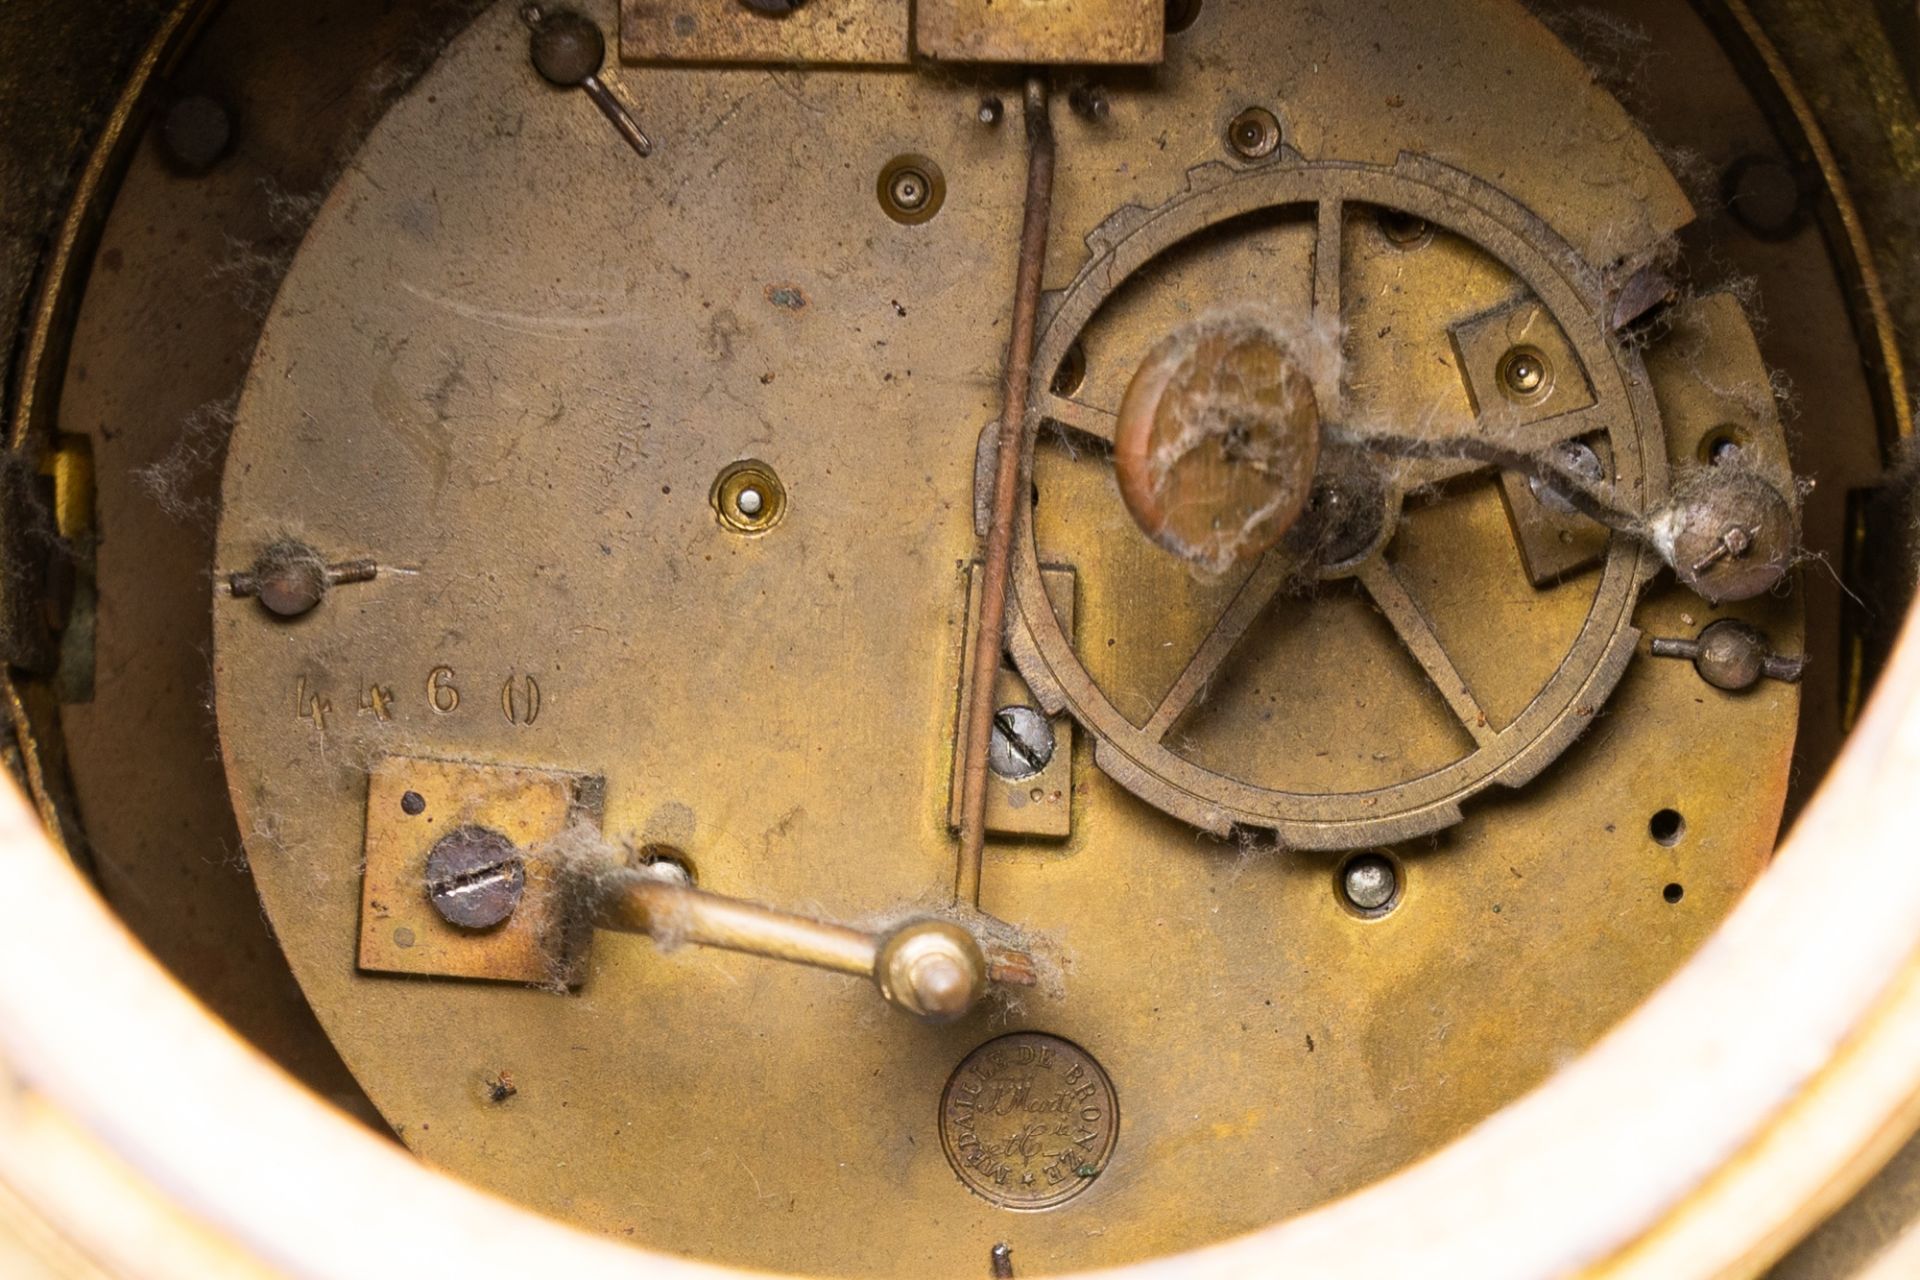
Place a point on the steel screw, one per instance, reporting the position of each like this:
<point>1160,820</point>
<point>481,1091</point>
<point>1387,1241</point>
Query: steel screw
<point>475,877</point>
<point>1022,743</point>
<point>1370,883</point>
<point>1090,102</point>
<point>1574,456</point>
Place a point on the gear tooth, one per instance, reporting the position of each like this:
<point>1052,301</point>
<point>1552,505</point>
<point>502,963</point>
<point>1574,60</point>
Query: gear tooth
<point>1204,177</point>
<point>1116,227</point>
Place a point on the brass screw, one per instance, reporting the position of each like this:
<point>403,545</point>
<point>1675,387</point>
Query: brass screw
<point>933,969</point>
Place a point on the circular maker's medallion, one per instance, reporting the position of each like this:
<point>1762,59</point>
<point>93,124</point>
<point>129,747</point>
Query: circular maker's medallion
<point>1029,1120</point>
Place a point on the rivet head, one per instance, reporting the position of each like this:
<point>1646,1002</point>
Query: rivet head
<point>567,48</point>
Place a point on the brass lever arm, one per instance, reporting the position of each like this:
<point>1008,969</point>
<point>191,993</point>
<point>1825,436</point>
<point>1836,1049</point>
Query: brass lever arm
<point>935,970</point>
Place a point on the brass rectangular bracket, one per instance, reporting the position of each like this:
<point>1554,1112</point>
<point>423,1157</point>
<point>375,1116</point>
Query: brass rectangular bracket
<point>1042,32</point>
<point>830,32</point>
<point>412,804</point>
<point>1552,543</point>
<point>1039,807</point>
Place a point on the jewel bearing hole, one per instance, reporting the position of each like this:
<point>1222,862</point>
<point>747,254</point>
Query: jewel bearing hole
<point>1667,828</point>
<point>911,189</point>
<point>1673,893</point>
<point>1525,375</point>
<point>748,497</point>
<point>1369,885</point>
<point>1254,134</point>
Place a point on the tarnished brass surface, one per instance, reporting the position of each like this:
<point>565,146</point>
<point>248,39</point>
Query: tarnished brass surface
<point>845,32</point>
<point>526,427</point>
<point>1099,32</point>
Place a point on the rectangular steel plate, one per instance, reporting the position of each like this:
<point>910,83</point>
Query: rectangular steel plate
<point>401,932</point>
<point>835,32</point>
<point>1040,32</point>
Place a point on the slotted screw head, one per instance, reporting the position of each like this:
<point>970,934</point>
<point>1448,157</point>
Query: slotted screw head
<point>475,877</point>
<point>1022,743</point>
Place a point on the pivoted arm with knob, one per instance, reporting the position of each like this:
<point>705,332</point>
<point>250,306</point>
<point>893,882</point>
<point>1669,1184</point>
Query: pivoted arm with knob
<point>936,970</point>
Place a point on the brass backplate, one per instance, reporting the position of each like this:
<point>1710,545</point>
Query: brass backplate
<point>526,427</point>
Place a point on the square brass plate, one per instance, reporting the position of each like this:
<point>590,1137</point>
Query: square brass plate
<point>843,32</point>
<point>401,932</point>
<point>1069,32</point>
